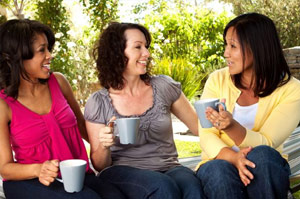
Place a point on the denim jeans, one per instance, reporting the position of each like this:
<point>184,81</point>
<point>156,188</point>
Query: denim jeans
<point>220,179</point>
<point>33,189</point>
<point>179,182</point>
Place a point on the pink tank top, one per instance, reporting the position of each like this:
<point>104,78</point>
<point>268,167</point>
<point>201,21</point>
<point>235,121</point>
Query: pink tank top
<point>36,138</point>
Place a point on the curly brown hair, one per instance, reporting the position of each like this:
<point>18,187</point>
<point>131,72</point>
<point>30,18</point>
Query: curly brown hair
<point>110,57</point>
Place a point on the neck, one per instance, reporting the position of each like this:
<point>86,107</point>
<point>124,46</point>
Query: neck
<point>247,79</point>
<point>132,85</point>
<point>29,87</point>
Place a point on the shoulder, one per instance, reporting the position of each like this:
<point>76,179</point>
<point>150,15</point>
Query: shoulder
<point>5,112</point>
<point>289,91</point>
<point>97,106</point>
<point>97,97</point>
<point>219,78</point>
<point>222,73</point>
<point>164,81</point>
<point>162,78</point>
<point>61,79</point>
<point>293,85</point>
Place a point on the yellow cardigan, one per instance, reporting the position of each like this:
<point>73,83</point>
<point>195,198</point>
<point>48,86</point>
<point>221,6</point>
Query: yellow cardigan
<point>277,115</point>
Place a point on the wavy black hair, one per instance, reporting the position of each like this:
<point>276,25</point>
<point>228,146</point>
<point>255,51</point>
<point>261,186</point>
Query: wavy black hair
<point>257,34</point>
<point>17,37</point>
<point>110,57</point>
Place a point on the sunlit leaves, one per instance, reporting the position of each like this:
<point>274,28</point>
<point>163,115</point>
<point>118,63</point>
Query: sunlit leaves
<point>285,15</point>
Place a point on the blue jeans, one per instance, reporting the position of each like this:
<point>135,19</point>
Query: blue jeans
<point>220,179</point>
<point>179,182</point>
<point>33,189</point>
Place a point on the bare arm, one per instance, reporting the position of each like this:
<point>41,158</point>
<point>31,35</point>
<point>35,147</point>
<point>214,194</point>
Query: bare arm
<point>101,139</point>
<point>10,170</point>
<point>184,111</point>
<point>68,94</point>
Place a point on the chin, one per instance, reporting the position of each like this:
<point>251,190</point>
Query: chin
<point>232,71</point>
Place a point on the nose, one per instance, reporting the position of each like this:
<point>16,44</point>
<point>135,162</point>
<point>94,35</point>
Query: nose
<point>226,52</point>
<point>146,53</point>
<point>48,54</point>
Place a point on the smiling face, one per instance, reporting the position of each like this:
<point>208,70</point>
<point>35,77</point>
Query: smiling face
<point>39,66</point>
<point>234,55</point>
<point>136,52</point>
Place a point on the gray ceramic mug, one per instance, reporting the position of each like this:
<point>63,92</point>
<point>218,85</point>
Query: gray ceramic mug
<point>128,129</point>
<point>73,174</point>
<point>201,106</point>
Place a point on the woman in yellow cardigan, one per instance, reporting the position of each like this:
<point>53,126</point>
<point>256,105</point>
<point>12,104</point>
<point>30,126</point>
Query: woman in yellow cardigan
<point>241,153</point>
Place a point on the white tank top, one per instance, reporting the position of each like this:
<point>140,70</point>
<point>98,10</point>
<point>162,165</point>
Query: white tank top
<point>245,115</point>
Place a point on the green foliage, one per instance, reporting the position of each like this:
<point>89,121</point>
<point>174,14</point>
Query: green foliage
<point>285,15</point>
<point>101,12</point>
<point>186,39</point>
<point>2,19</point>
<point>190,77</point>
<point>15,6</point>
<point>54,14</point>
<point>187,149</point>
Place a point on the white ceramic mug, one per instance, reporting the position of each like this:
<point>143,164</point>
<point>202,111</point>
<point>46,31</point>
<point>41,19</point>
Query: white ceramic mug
<point>73,174</point>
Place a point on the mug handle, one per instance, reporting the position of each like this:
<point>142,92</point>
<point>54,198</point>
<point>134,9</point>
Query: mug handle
<point>221,103</point>
<point>108,123</point>
<point>114,123</point>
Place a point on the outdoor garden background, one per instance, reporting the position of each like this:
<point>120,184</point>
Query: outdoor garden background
<point>187,36</point>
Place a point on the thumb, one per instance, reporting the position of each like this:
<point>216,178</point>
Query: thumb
<point>55,162</point>
<point>112,119</point>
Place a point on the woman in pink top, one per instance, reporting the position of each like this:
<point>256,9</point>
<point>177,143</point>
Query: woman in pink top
<point>40,120</point>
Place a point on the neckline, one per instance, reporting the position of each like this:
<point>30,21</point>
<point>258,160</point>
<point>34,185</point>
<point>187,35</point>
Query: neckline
<point>35,113</point>
<point>136,115</point>
<point>249,106</point>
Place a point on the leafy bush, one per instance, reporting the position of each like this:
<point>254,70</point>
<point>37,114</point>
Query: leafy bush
<point>190,77</point>
<point>285,15</point>
<point>2,19</point>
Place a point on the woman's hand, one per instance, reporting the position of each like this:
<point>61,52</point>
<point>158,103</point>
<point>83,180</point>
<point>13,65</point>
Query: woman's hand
<point>48,172</point>
<point>221,120</point>
<point>106,136</point>
<point>241,162</point>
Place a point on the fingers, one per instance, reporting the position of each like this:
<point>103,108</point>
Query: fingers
<point>242,162</point>
<point>106,136</point>
<point>48,172</point>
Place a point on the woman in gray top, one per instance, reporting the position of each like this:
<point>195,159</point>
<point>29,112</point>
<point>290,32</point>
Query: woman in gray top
<point>148,168</point>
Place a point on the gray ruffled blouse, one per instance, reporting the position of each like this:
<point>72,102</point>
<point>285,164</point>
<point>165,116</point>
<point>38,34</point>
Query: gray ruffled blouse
<point>155,148</point>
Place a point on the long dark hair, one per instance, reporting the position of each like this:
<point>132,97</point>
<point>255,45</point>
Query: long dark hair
<point>16,45</point>
<point>109,54</point>
<point>257,33</point>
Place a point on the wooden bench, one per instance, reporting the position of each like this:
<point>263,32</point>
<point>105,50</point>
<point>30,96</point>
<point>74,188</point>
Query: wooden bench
<point>291,147</point>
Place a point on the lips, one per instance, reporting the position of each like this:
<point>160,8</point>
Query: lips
<point>142,62</point>
<point>47,66</point>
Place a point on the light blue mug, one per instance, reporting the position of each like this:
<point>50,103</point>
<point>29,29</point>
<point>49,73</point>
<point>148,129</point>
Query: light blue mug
<point>201,106</point>
<point>127,129</point>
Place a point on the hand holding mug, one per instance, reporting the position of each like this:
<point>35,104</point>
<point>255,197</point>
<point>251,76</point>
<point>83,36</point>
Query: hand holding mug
<point>207,111</point>
<point>48,172</point>
<point>127,129</point>
<point>220,118</point>
<point>106,136</point>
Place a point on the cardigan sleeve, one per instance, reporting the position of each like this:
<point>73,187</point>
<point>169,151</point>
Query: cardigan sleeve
<point>210,138</point>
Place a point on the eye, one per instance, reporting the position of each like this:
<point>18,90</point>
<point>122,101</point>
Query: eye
<point>42,50</point>
<point>138,47</point>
